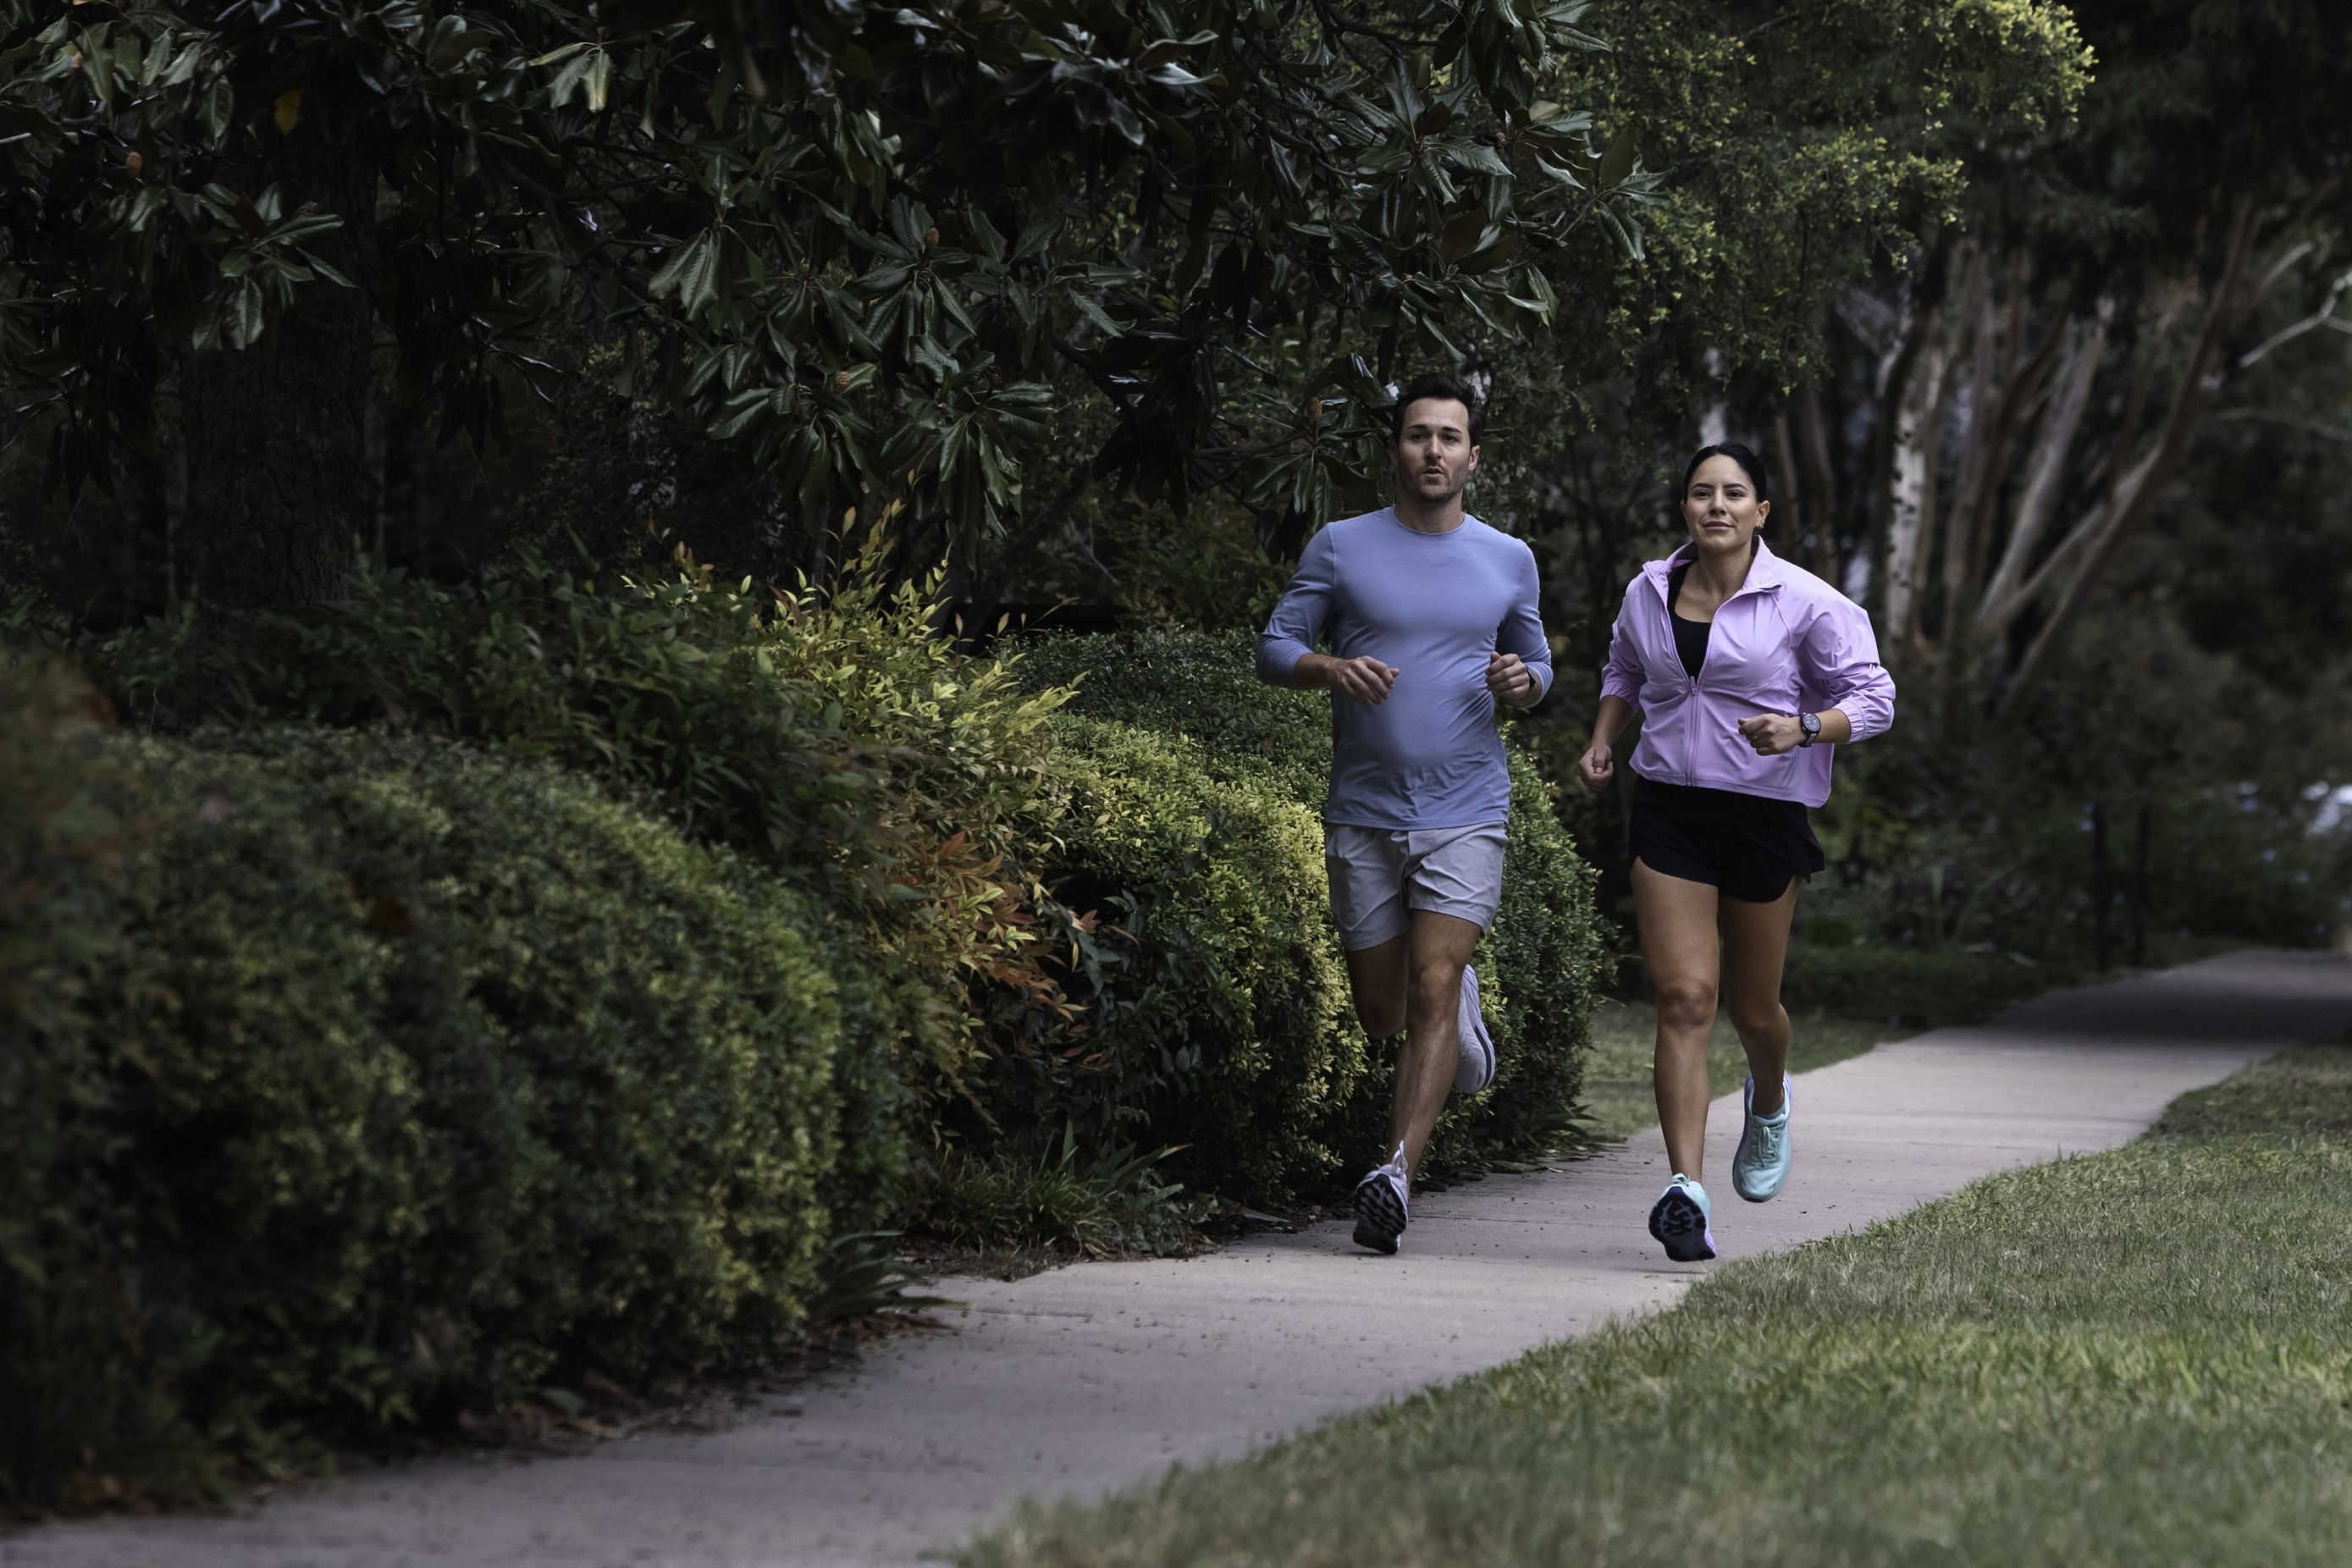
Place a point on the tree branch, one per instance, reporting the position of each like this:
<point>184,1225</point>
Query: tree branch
<point>2130,498</point>
<point>2044,470</point>
<point>2322,317</point>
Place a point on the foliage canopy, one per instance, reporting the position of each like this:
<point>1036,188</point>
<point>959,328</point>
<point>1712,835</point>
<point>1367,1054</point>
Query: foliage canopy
<point>887,246</point>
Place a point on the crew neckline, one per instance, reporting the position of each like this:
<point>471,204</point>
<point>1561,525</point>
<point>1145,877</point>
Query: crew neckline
<point>1424,533</point>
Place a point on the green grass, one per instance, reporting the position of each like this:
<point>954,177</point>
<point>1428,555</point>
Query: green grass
<point>2137,1357</point>
<point>1617,1091</point>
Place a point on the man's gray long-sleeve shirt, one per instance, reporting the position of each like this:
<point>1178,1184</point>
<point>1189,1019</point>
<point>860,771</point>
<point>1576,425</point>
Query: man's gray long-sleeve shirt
<point>1434,606</point>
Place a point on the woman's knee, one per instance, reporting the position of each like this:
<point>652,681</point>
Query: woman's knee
<point>1686,1003</point>
<point>1758,1020</point>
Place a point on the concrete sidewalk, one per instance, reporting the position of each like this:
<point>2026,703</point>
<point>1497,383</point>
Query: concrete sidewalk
<point>1090,1377</point>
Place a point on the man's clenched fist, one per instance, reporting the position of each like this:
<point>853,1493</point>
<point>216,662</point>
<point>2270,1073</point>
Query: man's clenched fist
<point>1363,678</point>
<point>1510,678</point>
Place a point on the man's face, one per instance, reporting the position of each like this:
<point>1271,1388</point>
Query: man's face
<point>1434,458</point>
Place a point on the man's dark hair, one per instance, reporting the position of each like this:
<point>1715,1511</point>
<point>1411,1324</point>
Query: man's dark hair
<point>1437,383</point>
<point>1739,452</point>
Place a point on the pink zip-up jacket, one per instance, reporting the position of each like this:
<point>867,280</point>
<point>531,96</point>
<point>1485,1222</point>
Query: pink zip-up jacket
<point>1786,643</point>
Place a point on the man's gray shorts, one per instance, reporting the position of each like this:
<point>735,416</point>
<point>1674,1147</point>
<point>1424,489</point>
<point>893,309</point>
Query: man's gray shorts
<point>1379,875</point>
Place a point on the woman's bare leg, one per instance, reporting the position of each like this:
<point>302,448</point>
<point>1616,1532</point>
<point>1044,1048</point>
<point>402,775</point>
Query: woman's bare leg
<point>1754,946</point>
<point>1677,920</point>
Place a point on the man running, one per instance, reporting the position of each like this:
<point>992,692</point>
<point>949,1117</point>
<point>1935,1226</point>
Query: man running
<point>1432,620</point>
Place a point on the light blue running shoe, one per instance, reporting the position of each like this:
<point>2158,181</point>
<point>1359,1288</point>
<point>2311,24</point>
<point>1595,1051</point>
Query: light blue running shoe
<point>1681,1218</point>
<point>1762,1163</point>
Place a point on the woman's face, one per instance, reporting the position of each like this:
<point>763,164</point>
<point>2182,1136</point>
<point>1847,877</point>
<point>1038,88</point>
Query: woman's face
<point>1720,508</point>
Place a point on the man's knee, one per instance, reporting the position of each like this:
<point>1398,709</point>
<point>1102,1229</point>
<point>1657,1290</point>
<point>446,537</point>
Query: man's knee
<point>1686,1003</point>
<point>1380,1015</point>
<point>1436,987</point>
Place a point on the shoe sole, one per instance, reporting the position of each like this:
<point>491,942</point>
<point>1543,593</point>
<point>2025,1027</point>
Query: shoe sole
<point>1680,1226</point>
<point>1380,1217</point>
<point>1479,1045</point>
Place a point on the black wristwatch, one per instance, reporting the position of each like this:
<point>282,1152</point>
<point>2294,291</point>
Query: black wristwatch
<point>1810,723</point>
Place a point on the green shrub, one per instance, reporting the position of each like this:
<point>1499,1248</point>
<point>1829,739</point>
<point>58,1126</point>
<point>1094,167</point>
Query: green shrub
<point>416,1080</point>
<point>1110,1204</point>
<point>1204,685</point>
<point>1956,830</point>
<point>73,1400</point>
<point>836,738</point>
<point>1218,1017</point>
<point>658,684</point>
<point>1927,988</point>
<point>1203,824</point>
<point>942,874</point>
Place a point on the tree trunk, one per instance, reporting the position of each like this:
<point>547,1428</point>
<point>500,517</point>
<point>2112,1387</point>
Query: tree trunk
<point>1714,420</point>
<point>1911,484</point>
<point>2004,597</point>
<point>400,535</point>
<point>1917,330</point>
<point>2012,387</point>
<point>279,479</point>
<point>2102,899</point>
<point>2139,887</point>
<point>1819,488</point>
<point>2131,493</point>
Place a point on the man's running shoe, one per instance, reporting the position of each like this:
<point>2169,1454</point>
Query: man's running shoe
<point>1762,1163</point>
<point>1379,1204</point>
<point>1474,1068</point>
<point>1679,1220</point>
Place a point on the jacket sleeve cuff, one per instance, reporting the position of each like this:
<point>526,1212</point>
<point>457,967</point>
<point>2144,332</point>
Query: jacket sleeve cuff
<point>1870,712</point>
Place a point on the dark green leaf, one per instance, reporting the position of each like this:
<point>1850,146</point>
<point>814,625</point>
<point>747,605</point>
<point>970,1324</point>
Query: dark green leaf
<point>1618,162</point>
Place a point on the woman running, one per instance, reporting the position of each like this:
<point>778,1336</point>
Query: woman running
<point>1745,670</point>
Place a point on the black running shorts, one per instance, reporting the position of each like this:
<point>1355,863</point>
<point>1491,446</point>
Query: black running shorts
<point>1745,845</point>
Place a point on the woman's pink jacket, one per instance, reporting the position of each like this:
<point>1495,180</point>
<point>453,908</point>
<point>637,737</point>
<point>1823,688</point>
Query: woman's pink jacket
<point>1786,643</point>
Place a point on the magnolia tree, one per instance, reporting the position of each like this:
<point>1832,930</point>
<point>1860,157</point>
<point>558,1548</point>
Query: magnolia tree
<point>969,258</point>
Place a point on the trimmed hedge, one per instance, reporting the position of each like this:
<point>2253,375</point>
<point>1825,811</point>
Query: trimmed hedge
<point>351,1077</point>
<point>836,738</point>
<point>655,684</point>
<point>1225,1025</point>
<point>406,1080</point>
<point>1204,814</point>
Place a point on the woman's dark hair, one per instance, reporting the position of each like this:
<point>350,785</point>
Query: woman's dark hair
<point>1437,383</point>
<point>1739,452</point>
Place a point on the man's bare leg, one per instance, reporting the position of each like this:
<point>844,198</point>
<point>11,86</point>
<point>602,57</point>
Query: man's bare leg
<point>1376,978</point>
<point>1414,983</point>
<point>1415,980</point>
<point>1439,948</point>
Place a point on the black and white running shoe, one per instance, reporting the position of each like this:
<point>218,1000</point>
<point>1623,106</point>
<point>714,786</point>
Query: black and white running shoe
<point>1379,1204</point>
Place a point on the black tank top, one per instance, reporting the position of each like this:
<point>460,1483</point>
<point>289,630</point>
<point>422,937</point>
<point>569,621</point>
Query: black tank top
<point>1690,636</point>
